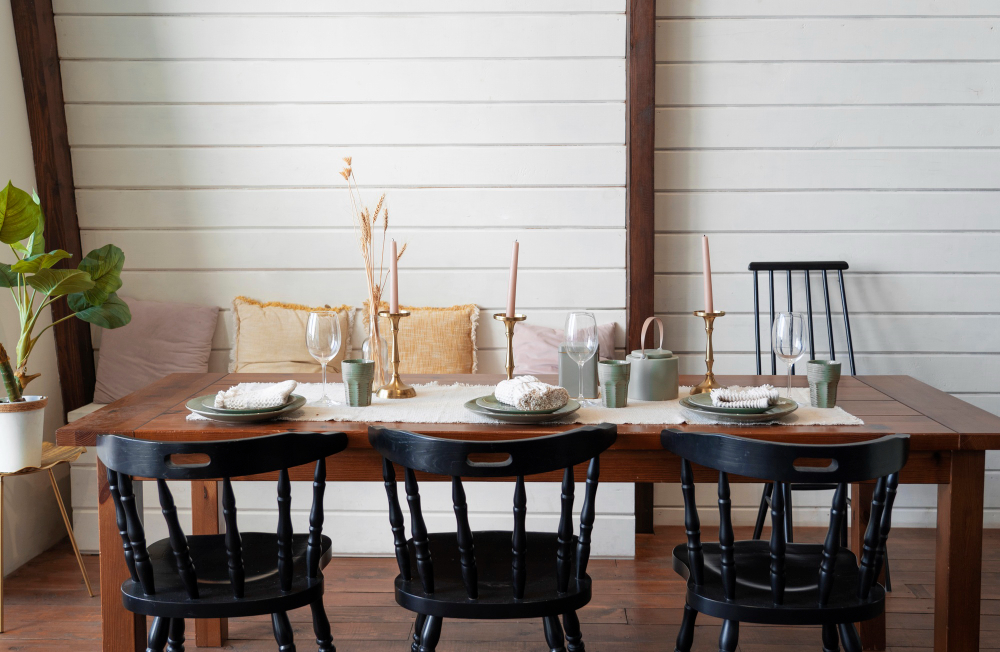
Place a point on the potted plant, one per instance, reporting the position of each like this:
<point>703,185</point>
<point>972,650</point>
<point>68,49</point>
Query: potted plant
<point>89,291</point>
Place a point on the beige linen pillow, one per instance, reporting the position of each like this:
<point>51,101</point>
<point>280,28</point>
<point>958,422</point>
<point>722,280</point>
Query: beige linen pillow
<point>435,340</point>
<point>271,337</point>
<point>161,339</point>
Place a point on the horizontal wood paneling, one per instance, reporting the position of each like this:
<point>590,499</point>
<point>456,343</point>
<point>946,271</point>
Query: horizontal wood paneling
<point>320,7</point>
<point>585,165</point>
<point>347,124</point>
<point>525,80</point>
<point>846,8</point>
<point>400,36</point>
<point>459,208</point>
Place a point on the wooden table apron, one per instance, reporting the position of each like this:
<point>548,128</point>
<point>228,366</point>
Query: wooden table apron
<point>948,444</point>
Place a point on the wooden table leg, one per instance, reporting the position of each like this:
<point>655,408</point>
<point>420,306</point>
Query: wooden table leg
<point>644,508</point>
<point>209,632</point>
<point>872,631</point>
<point>958,576</point>
<point>121,630</point>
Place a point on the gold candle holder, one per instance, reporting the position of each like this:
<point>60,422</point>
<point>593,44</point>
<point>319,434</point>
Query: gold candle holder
<point>395,388</point>
<point>709,383</point>
<point>508,324</point>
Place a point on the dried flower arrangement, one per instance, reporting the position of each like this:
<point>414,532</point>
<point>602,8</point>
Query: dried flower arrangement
<point>365,223</point>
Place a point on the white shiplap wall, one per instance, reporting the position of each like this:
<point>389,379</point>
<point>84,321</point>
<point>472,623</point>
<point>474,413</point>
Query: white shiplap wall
<point>207,138</point>
<point>861,131</point>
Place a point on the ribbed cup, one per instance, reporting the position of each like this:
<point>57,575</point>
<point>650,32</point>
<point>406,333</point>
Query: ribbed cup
<point>614,376</point>
<point>358,377</point>
<point>824,376</point>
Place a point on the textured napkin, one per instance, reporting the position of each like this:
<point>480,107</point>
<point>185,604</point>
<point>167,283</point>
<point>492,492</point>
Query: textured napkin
<point>745,397</point>
<point>248,396</point>
<point>529,393</point>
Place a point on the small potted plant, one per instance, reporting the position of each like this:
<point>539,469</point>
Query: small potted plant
<point>89,291</point>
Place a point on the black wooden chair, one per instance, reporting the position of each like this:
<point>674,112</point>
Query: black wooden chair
<point>492,574</point>
<point>221,575</point>
<point>784,583</point>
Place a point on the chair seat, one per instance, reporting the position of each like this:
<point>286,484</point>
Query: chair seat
<point>262,591</point>
<point>496,592</point>
<point>753,601</point>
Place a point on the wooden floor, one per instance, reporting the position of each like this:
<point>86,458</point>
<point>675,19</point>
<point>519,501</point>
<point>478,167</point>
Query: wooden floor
<point>637,606</point>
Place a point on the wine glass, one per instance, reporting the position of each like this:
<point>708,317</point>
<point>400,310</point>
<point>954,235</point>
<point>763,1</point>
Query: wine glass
<point>789,340</point>
<point>323,342</point>
<point>581,342</point>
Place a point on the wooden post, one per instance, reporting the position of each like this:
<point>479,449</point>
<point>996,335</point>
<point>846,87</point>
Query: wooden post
<point>205,514</point>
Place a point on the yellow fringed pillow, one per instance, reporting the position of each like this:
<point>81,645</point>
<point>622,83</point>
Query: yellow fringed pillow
<point>271,337</point>
<point>435,340</point>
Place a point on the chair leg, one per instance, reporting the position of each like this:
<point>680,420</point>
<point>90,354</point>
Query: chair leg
<point>157,635</point>
<point>849,637</point>
<point>554,634</point>
<point>283,632</point>
<point>730,636</point>
<point>418,629</point>
<point>321,627</point>
<point>885,565</point>
<point>762,510</point>
<point>831,642</point>
<point>69,531</point>
<point>788,512</point>
<point>175,635</point>
<point>685,635</point>
<point>574,637</point>
<point>430,633</point>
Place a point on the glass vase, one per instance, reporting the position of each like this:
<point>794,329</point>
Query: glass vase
<point>368,350</point>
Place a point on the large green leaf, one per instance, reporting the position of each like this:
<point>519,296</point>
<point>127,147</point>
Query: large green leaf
<point>18,214</point>
<point>104,266</point>
<point>33,264</point>
<point>113,313</point>
<point>36,243</point>
<point>57,282</point>
<point>8,279</point>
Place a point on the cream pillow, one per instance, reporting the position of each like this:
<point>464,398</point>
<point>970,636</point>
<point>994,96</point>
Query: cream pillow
<point>435,340</point>
<point>271,337</point>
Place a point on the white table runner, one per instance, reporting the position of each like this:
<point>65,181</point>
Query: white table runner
<point>436,403</point>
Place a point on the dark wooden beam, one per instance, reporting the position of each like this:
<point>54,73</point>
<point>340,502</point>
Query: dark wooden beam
<point>641,67</point>
<point>35,32</point>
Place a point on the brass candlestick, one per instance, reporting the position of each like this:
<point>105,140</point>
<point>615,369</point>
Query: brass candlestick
<point>508,324</point>
<point>709,383</point>
<point>395,388</point>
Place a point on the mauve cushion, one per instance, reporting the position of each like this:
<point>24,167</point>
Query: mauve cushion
<point>536,348</point>
<point>161,339</point>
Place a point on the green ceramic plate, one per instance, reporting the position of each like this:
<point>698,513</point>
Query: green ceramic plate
<point>704,401</point>
<point>558,415</point>
<point>493,405</point>
<point>784,407</point>
<point>207,403</point>
<point>296,403</point>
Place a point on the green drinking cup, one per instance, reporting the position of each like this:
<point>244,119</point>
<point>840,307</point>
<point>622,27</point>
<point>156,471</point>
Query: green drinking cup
<point>358,377</point>
<point>614,376</point>
<point>823,375</point>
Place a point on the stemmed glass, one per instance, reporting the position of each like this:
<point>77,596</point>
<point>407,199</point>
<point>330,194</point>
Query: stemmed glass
<point>581,342</point>
<point>789,340</point>
<point>323,342</point>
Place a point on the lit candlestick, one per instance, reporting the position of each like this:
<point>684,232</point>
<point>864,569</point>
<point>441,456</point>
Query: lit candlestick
<point>512,287</point>
<point>393,281</point>
<point>707,265</point>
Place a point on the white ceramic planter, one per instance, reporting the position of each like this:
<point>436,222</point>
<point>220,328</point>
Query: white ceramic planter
<point>21,429</point>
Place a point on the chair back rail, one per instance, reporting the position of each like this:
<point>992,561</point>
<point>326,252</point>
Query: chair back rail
<point>126,458</point>
<point>878,460</point>
<point>806,267</point>
<point>524,457</point>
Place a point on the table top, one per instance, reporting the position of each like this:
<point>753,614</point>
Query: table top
<point>888,404</point>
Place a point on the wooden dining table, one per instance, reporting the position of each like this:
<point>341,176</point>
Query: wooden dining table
<point>948,442</point>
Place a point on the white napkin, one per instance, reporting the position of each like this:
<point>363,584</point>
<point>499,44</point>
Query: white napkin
<point>529,393</point>
<point>247,396</point>
<point>745,397</point>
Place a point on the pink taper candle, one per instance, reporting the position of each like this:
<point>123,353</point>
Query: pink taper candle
<point>393,281</point>
<point>707,265</point>
<point>512,287</point>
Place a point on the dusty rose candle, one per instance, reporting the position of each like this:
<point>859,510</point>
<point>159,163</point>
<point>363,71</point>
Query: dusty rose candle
<point>512,286</point>
<point>393,280</point>
<point>707,269</point>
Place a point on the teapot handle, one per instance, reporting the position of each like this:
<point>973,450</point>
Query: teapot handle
<point>645,327</point>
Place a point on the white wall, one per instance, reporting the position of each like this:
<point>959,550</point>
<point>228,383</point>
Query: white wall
<point>31,517</point>
<point>865,132</point>
<point>207,139</point>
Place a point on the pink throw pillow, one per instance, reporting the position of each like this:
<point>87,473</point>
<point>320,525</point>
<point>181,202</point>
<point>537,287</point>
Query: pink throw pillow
<point>161,339</point>
<point>536,348</point>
